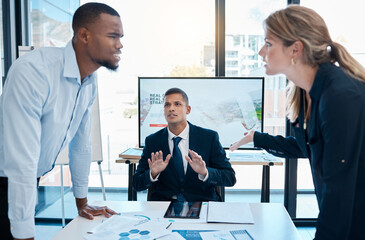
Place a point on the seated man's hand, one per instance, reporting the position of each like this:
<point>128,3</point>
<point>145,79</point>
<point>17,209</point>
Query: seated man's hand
<point>196,163</point>
<point>87,211</point>
<point>157,164</point>
<point>193,210</point>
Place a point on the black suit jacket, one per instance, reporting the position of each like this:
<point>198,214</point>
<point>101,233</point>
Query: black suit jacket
<point>336,147</point>
<point>203,141</point>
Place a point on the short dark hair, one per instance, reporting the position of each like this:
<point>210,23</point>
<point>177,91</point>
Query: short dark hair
<point>177,90</point>
<point>89,13</point>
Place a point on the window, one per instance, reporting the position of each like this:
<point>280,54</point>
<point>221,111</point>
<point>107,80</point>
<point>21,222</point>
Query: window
<point>231,64</point>
<point>162,38</point>
<point>1,49</point>
<point>244,20</point>
<point>344,31</point>
<point>167,38</point>
<point>236,40</point>
<point>50,22</point>
<point>231,54</point>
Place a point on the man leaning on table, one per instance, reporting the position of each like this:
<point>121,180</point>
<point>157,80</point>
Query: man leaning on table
<point>190,171</point>
<point>45,106</point>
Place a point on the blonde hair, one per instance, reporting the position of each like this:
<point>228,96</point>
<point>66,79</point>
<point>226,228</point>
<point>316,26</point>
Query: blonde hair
<point>300,23</point>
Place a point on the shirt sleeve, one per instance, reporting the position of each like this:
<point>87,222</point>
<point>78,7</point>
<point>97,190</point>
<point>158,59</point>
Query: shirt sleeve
<point>24,95</point>
<point>156,178</point>
<point>220,170</point>
<point>80,154</point>
<point>202,178</point>
<point>336,155</point>
<point>142,177</point>
<point>285,147</point>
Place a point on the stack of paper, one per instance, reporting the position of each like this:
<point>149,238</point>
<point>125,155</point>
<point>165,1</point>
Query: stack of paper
<point>233,212</point>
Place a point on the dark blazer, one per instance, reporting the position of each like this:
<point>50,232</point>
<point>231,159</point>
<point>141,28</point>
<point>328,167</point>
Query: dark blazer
<point>203,141</point>
<point>335,143</point>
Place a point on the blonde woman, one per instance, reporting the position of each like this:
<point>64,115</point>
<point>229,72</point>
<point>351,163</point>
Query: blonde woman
<point>326,105</point>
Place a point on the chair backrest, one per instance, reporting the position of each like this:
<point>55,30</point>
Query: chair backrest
<point>149,192</point>
<point>220,193</point>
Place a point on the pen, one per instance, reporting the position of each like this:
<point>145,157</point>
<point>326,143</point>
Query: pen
<point>169,225</point>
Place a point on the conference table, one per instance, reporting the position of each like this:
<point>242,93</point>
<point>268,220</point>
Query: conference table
<point>271,221</point>
<point>239,157</point>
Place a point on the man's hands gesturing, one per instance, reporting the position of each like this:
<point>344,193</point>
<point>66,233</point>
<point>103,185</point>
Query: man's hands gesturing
<point>197,164</point>
<point>157,164</point>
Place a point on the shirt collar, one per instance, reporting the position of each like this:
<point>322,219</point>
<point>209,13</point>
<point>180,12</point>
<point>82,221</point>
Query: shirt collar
<point>71,69</point>
<point>319,80</point>
<point>184,134</point>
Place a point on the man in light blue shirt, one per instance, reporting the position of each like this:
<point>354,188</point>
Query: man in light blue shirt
<point>45,106</point>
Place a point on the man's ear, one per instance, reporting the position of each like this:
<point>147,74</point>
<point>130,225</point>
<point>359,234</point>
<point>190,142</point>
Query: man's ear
<point>188,109</point>
<point>83,35</point>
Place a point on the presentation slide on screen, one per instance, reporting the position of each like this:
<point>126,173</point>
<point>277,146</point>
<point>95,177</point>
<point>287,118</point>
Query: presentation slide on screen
<point>231,107</point>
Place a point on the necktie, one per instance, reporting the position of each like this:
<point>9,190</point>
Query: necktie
<point>177,158</point>
<point>178,207</point>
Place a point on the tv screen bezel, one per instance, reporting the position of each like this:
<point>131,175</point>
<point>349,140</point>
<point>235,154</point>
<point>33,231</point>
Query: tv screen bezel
<point>208,78</point>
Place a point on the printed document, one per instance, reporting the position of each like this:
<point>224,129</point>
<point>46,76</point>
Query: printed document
<point>226,235</point>
<point>117,227</point>
<point>233,212</point>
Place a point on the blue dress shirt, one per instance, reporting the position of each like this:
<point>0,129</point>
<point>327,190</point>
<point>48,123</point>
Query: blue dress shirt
<point>44,107</point>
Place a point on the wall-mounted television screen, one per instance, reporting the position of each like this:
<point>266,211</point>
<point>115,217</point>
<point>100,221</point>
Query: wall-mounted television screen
<point>230,106</point>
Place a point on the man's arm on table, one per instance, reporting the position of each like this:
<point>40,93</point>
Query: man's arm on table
<point>80,154</point>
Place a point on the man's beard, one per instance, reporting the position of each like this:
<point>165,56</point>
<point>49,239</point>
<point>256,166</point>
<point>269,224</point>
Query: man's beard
<point>108,65</point>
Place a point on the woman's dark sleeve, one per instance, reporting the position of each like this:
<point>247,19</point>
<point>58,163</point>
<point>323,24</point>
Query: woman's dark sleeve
<point>285,147</point>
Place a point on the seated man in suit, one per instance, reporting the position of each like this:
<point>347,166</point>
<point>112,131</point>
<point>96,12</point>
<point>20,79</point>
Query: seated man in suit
<point>190,171</point>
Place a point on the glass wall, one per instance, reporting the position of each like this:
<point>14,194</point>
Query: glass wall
<point>177,38</point>
<point>244,39</point>
<point>50,23</point>
<point>167,38</point>
<point>162,38</point>
<point>343,25</point>
<point>1,48</point>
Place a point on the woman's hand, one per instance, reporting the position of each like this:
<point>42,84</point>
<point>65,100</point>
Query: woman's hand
<point>246,139</point>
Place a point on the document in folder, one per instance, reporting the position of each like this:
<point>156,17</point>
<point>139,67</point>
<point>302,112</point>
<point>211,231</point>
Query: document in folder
<point>233,212</point>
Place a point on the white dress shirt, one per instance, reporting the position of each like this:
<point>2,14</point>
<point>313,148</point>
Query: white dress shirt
<point>184,149</point>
